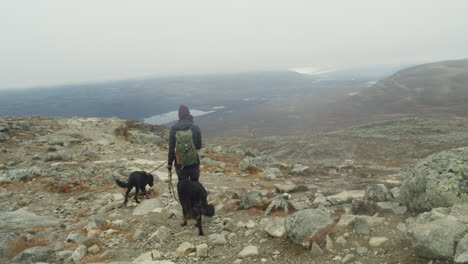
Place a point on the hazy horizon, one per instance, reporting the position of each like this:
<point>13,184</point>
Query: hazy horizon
<point>52,42</point>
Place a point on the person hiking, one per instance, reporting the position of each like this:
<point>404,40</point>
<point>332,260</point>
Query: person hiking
<point>184,141</point>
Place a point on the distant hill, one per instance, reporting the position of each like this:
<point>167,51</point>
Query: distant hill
<point>434,90</point>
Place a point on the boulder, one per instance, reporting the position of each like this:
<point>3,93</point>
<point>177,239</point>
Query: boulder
<point>148,206</point>
<point>248,251</point>
<point>33,254</point>
<point>183,250</point>
<point>304,225</point>
<point>377,193</point>
<point>287,187</point>
<point>23,219</point>
<point>272,173</point>
<point>79,253</point>
<point>436,239</point>
<point>202,251</point>
<point>22,174</point>
<point>4,136</point>
<point>216,239</point>
<point>161,234</point>
<point>252,199</point>
<point>275,227</point>
<point>146,138</point>
<point>345,197</point>
<point>257,162</point>
<point>440,180</point>
<point>5,239</point>
<point>461,254</point>
<point>299,169</point>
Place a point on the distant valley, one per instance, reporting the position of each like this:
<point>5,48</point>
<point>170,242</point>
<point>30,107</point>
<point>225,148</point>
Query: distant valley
<point>260,104</point>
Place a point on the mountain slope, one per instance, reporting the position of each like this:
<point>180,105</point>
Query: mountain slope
<point>434,88</point>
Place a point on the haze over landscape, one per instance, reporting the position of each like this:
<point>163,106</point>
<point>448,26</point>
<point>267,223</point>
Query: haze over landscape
<point>333,131</point>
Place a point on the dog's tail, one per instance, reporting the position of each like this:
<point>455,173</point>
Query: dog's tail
<point>121,184</point>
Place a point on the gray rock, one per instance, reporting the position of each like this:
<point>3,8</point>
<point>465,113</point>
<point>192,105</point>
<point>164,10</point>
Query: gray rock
<point>139,234</point>
<point>348,258</point>
<point>144,139</point>
<point>63,255</point>
<point>301,226</point>
<point>5,239</point>
<point>33,254</point>
<point>440,180</point>
<point>299,169</point>
<point>120,225</point>
<point>75,237</point>
<point>275,227</point>
<point>377,241</point>
<point>345,197</point>
<point>22,174</point>
<point>390,207</point>
<point>148,206</point>
<point>61,155</point>
<point>94,249</point>
<point>62,140</point>
<point>287,187</point>
<point>461,254</point>
<point>96,222</point>
<point>346,220</point>
<point>362,250</point>
<point>377,193</point>
<point>79,253</point>
<point>272,173</point>
<point>361,226</point>
<point>183,250</point>
<point>257,162</point>
<point>231,226</point>
<point>23,219</point>
<point>248,251</point>
<point>436,239</point>
<point>202,251</point>
<point>216,239</point>
<point>56,246</point>
<point>4,136</point>
<point>161,234</point>
<point>316,250</point>
<point>252,199</point>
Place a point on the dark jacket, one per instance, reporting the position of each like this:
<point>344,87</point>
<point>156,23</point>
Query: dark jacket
<point>183,124</point>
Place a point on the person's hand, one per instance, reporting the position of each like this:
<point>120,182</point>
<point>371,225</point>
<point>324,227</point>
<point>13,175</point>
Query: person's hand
<point>169,167</point>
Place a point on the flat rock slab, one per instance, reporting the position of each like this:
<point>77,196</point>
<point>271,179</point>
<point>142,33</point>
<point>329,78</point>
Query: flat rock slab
<point>23,219</point>
<point>148,206</point>
<point>346,197</point>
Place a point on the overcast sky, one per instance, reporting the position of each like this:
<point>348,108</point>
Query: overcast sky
<point>55,41</point>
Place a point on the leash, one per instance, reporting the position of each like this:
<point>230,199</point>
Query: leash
<point>171,188</point>
<point>158,166</point>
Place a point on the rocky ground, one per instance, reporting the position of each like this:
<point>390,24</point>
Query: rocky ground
<point>386,192</point>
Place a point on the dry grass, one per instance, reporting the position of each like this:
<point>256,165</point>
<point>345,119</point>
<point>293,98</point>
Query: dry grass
<point>65,187</point>
<point>19,245</point>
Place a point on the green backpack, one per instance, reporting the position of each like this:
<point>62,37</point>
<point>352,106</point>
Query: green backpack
<point>186,154</point>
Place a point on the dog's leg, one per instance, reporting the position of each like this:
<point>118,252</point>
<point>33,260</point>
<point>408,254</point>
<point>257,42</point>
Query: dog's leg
<point>199,225</point>
<point>136,194</point>
<point>126,194</point>
<point>143,190</point>
<point>185,217</point>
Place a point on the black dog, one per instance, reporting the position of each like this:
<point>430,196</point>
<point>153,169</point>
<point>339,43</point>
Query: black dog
<point>192,196</point>
<point>137,179</point>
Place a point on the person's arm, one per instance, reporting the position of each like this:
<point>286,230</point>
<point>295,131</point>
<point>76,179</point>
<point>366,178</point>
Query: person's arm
<point>171,154</point>
<point>197,138</point>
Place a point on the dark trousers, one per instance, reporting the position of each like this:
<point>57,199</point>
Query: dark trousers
<point>188,173</point>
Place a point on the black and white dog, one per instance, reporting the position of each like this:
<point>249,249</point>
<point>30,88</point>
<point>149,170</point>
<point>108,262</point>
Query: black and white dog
<point>137,179</point>
<point>193,199</point>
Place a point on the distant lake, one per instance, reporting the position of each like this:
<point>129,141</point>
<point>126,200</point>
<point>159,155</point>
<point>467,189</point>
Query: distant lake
<point>174,116</point>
